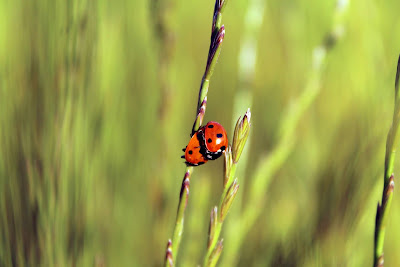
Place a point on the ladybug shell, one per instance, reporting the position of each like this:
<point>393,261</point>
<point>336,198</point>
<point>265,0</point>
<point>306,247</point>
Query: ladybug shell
<point>193,155</point>
<point>215,139</point>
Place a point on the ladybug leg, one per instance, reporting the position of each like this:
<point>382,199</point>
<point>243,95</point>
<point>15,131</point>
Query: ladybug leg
<point>191,164</point>
<point>182,157</point>
<point>184,149</point>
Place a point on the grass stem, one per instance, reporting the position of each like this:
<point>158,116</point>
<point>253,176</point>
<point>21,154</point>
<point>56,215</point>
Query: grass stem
<point>388,187</point>
<point>231,187</point>
<point>217,36</point>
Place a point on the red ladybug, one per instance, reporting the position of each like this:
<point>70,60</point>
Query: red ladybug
<point>193,155</point>
<point>215,140</point>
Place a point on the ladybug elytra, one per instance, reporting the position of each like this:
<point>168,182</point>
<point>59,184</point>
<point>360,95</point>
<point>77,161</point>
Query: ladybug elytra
<point>193,155</point>
<point>215,139</point>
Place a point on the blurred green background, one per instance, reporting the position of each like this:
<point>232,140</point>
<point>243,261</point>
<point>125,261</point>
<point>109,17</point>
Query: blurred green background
<point>97,99</point>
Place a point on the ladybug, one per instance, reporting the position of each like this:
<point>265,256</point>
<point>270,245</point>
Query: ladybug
<point>194,150</point>
<point>215,140</point>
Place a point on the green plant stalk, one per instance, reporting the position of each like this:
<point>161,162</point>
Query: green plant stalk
<point>215,49</point>
<point>247,62</point>
<point>228,182</point>
<point>216,254</point>
<point>168,255</point>
<point>218,10</point>
<point>218,226</point>
<point>231,186</point>
<point>214,241</point>
<point>217,36</point>
<point>387,195</point>
<point>180,217</point>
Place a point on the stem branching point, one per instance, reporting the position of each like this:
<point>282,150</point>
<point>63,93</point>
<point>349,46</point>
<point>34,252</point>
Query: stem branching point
<point>217,36</point>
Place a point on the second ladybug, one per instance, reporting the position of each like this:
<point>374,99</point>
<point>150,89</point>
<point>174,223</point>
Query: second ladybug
<point>215,140</point>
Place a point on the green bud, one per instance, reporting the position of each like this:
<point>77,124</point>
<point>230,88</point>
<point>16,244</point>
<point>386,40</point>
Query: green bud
<point>228,164</point>
<point>228,199</point>
<point>215,49</point>
<point>215,254</point>
<point>240,135</point>
<point>213,225</point>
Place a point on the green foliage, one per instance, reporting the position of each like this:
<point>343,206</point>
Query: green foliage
<point>97,101</point>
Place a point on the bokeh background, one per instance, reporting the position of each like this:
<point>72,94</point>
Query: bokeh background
<point>97,99</point>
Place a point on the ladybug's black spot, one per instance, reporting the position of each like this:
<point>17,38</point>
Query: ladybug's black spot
<point>190,152</point>
<point>209,140</point>
<point>210,126</point>
<point>223,148</point>
<point>219,135</point>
